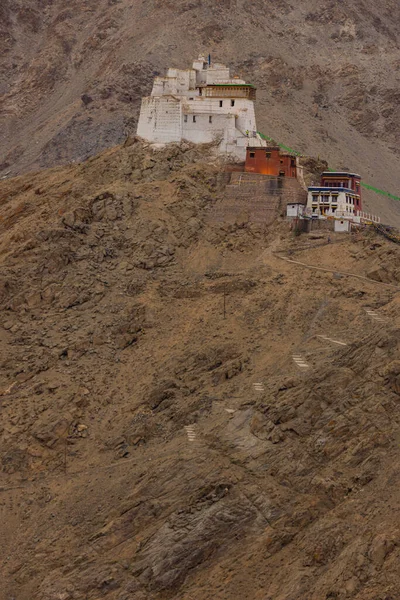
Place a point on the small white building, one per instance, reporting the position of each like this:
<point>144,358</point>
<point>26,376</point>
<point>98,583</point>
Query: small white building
<point>201,105</point>
<point>295,209</point>
<point>342,225</point>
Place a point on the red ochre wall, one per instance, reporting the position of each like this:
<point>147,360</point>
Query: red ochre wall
<point>355,185</point>
<point>276,165</point>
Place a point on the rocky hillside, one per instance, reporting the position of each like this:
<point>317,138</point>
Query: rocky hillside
<point>327,74</point>
<point>188,411</point>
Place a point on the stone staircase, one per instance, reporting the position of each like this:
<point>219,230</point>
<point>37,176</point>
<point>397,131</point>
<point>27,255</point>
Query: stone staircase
<point>256,198</point>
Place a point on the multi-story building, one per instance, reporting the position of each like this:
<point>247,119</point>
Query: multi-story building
<point>338,195</point>
<point>201,105</point>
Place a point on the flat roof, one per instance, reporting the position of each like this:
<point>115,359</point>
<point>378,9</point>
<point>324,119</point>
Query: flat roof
<point>264,148</point>
<point>320,188</point>
<point>231,85</point>
<point>339,174</point>
<point>269,149</point>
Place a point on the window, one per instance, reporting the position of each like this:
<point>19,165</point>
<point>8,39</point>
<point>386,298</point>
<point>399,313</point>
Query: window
<point>220,103</point>
<point>232,103</point>
<point>252,154</point>
<point>210,119</point>
<point>281,173</point>
<point>185,118</point>
<point>292,162</point>
<point>191,98</point>
<point>281,162</point>
<point>194,118</point>
<point>268,155</point>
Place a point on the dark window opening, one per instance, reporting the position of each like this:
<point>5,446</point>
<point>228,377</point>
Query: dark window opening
<point>185,118</point>
<point>220,102</point>
<point>268,155</point>
<point>252,154</point>
<point>200,92</point>
<point>210,119</point>
<point>281,173</point>
<point>293,162</point>
<point>281,162</point>
<point>194,118</point>
<point>191,98</point>
<point>232,103</point>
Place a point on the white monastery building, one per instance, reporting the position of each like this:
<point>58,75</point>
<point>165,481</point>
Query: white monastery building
<point>338,194</point>
<point>201,105</point>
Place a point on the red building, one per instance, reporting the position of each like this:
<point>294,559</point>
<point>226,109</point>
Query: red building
<point>342,179</point>
<point>338,192</point>
<point>270,161</point>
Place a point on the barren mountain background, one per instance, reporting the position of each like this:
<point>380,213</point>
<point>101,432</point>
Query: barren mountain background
<point>337,60</point>
<point>195,405</point>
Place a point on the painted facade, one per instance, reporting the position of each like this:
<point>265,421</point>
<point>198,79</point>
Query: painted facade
<point>339,179</point>
<point>338,195</point>
<point>201,105</point>
<point>271,161</point>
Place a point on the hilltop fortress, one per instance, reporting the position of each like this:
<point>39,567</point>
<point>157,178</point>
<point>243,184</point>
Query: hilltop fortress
<point>200,105</point>
<point>205,104</point>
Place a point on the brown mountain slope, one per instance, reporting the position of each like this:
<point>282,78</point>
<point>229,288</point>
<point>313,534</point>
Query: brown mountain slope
<point>327,75</point>
<point>151,448</point>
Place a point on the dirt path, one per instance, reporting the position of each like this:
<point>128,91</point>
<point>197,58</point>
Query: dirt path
<point>343,273</point>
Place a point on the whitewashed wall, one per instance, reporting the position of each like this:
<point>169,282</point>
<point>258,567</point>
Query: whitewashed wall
<point>342,225</point>
<point>217,74</point>
<point>160,119</point>
<point>294,210</point>
<point>176,111</point>
<point>341,199</point>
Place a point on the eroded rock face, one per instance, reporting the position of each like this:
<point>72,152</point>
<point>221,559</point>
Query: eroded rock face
<point>190,539</point>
